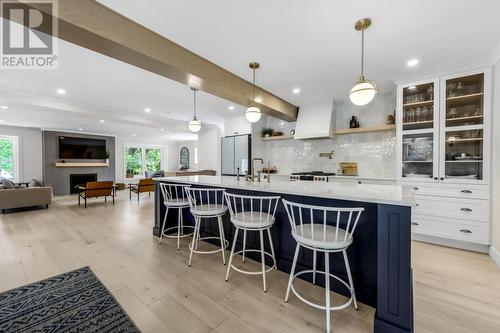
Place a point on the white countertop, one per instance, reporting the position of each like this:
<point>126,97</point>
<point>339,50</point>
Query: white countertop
<point>383,194</point>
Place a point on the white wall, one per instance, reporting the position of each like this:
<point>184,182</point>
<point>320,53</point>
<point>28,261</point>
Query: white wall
<point>209,149</point>
<point>374,152</point>
<point>30,151</point>
<point>495,176</point>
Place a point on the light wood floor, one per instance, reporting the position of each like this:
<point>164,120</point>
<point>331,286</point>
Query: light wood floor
<point>455,291</point>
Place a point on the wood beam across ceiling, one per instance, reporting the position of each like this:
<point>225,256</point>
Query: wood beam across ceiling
<point>94,26</point>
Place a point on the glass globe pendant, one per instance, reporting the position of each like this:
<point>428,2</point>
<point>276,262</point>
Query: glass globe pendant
<point>253,112</point>
<point>195,124</point>
<point>363,91</point>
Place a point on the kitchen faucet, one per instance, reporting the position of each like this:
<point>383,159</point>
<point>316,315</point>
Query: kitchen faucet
<point>253,166</point>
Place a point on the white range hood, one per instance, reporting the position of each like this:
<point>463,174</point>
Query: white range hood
<point>316,121</point>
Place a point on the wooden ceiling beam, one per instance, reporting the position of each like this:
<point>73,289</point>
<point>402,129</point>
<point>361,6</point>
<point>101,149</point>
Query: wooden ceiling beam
<point>89,24</point>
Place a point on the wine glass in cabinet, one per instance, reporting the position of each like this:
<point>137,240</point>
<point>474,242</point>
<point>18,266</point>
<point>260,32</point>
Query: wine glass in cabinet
<point>417,127</point>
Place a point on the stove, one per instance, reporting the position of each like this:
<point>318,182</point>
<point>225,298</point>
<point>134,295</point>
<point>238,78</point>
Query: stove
<point>311,176</point>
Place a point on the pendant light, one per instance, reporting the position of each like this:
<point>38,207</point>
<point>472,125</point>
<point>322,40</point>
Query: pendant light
<point>253,112</point>
<point>195,124</point>
<point>364,90</point>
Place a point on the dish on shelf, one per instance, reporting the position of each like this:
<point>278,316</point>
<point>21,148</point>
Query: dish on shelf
<point>466,158</point>
<point>462,177</point>
<point>417,175</point>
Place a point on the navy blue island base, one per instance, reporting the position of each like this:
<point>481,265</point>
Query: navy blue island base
<point>380,255</point>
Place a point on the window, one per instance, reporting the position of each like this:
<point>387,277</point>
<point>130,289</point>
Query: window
<point>8,157</point>
<point>138,160</point>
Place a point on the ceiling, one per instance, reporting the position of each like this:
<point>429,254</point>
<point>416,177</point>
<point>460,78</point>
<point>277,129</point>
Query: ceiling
<point>313,45</point>
<point>309,45</point>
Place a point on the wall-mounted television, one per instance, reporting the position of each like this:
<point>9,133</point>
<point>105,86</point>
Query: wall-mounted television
<point>81,148</point>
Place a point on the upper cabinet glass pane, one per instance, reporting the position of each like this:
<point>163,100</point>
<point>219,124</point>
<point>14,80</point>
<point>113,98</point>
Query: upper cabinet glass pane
<point>418,107</point>
<point>464,154</point>
<point>464,100</point>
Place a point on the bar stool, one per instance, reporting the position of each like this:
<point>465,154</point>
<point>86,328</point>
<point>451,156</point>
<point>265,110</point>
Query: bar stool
<point>252,213</point>
<point>311,231</point>
<point>174,197</point>
<point>206,203</point>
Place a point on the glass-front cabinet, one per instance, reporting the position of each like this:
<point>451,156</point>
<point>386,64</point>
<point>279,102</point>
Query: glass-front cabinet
<point>418,127</point>
<point>443,129</point>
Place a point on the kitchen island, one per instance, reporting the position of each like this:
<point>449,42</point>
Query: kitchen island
<point>380,255</point>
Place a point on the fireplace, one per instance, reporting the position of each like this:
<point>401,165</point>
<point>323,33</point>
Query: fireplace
<point>80,179</point>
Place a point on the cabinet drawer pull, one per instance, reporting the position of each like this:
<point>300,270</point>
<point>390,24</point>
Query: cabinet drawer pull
<point>466,191</point>
<point>466,209</point>
<point>414,223</point>
<point>417,205</point>
<point>416,188</point>
<point>466,231</point>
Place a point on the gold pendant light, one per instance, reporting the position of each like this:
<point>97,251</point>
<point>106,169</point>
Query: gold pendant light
<point>195,124</point>
<point>253,112</point>
<point>364,90</point>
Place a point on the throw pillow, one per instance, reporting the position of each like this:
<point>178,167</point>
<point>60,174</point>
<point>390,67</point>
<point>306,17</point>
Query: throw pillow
<point>34,183</point>
<point>7,184</point>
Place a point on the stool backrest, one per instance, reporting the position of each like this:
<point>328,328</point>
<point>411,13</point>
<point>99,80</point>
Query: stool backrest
<point>173,192</point>
<point>303,216</point>
<point>212,198</point>
<point>256,206</point>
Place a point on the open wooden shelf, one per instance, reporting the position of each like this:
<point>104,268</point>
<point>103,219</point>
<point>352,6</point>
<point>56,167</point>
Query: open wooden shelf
<point>81,164</point>
<point>367,129</point>
<point>278,137</point>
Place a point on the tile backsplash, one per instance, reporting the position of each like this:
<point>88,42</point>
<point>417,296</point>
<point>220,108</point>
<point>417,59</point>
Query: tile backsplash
<point>374,152</point>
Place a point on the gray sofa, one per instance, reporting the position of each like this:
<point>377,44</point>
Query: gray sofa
<point>25,197</point>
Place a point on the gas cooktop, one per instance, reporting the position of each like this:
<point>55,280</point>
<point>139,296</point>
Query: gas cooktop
<point>311,176</point>
<point>313,173</point>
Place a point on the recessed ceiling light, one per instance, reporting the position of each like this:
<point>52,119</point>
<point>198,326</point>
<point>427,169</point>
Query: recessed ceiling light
<point>147,110</point>
<point>101,121</point>
<point>61,91</point>
<point>162,129</point>
<point>133,134</point>
<point>5,107</point>
<point>80,129</point>
<point>258,99</point>
<point>296,91</point>
<point>231,107</point>
<point>412,87</point>
<point>412,62</point>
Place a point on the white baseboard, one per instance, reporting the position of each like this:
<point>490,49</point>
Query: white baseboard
<point>482,248</point>
<point>495,255</point>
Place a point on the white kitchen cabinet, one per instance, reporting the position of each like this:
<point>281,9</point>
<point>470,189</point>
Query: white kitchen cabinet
<point>443,151</point>
<point>237,126</point>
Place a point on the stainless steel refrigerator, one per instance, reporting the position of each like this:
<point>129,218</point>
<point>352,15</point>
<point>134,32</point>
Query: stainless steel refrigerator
<point>236,153</point>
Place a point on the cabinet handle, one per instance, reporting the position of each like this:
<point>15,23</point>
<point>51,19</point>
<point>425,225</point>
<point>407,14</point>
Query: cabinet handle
<point>466,191</point>
<point>466,209</point>
<point>416,188</point>
<point>442,178</point>
<point>414,223</point>
<point>417,205</point>
<point>466,231</point>
<point>435,178</point>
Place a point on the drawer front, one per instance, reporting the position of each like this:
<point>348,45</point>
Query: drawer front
<point>472,192</point>
<point>449,228</point>
<point>467,209</point>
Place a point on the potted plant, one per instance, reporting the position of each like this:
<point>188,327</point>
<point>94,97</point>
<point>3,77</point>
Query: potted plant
<point>267,132</point>
<point>107,156</point>
<point>130,173</point>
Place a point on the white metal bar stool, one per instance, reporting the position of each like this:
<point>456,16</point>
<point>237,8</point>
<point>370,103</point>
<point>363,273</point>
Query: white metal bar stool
<point>311,231</point>
<point>174,197</point>
<point>206,203</point>
<point>252,213</point>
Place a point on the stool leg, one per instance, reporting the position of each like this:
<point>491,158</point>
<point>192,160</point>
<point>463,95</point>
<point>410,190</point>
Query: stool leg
<point>349,275</point>
<point>179,218</point>
<point>292,272</point>
<point>163,226</point>
<point>263,259</point>
<point>194,241</point>
<point>182,220</point>
<point>244,245</point>
<point>232,253</point>
<point>272,247</point>
<point>221,237</point>
<point>198,233</point>
<point>327,290</point>
<point>314,266</point>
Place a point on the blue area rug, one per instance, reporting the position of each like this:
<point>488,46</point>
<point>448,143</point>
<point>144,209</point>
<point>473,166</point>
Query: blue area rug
<point>71,302</point>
